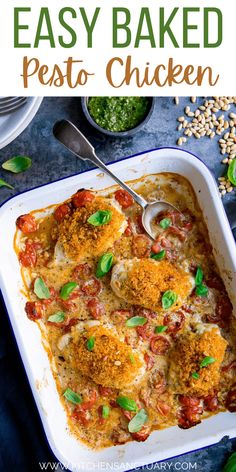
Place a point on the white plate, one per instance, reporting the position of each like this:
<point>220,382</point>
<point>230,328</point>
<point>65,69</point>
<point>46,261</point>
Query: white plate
<point>13,124</point>
<point>161,444</point>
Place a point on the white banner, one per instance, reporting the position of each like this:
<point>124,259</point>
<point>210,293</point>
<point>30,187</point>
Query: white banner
<point>107,47</point>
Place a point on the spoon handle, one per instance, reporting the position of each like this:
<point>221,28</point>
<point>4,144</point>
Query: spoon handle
<point>75,141</point>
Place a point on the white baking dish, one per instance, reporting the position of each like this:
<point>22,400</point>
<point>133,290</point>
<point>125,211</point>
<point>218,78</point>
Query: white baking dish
<point>161,444</point>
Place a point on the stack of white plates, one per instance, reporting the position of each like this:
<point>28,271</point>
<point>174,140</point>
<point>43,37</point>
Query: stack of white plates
<point>13,124</point>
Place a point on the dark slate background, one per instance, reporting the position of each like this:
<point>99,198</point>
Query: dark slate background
<point>22,440</point>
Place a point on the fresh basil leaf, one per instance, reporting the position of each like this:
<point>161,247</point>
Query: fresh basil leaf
<point>41,289</point>
<point>17,164</point>
<point>230,465</point>
<point>202,290</point>
<point>136,321</point>
<point>160,329</point>
<point>105,411</point>
<point>104,264</point>
<point>57,317</point>
<point>195,375</point>
<point>138,421</point>
<point>199,276</point>
<point>90,343</point>
<point>100,218</point>
<point>127,403</point>
<point>207,361</point>
<point>72,397</point>
<point>232,172</point>
<point>67,289</point>
<point>168,299</point>
<point>165,223</point>
<point>132,359</point>
<point>159,256</point>
<point>5,184</point>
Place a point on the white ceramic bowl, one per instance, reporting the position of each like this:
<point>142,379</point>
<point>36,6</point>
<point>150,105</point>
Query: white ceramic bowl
<point>161,444</point>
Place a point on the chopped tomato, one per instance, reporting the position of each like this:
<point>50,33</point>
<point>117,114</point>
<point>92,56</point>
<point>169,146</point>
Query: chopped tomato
<point>211,402</point>
<point>230,402</point>
<point>164,242</point>
<point>28,257</point>
<point>163,408</point>
<point>89,404</point>
<point>105,391</point>
<point>34,310</point>
<point>128,231</point>
<point>145,331</point>
<point>156,248</point>
<point>96,309</point>
<point>27,223</point>
<point>53,296</point>
<point>145,312</point>
<point>124,198</point>
<point>150,361</point>
<point>81,198</point>
<point>175,231</point>
<point>188,401</point>
<point>69,323</point>
<point>61,212</point>
<point>159,345</point>
<point>174,321</point>
<point>83,416</point>
<point>91,287</point>
<point>119,316</point>
<point>190,411</point>
<point>82,272</point>
<point>128,414</point>
<point>141,246</point>
<point>159,382</point>
<point>141,435</point>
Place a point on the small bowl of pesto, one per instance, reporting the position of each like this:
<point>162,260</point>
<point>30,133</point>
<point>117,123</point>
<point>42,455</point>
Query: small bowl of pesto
<point>118,116</point>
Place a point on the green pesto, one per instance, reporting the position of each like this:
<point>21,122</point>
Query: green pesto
<point>118,113</point>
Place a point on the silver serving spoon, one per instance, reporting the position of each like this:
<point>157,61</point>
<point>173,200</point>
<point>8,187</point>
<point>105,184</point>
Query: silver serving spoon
<point>75,141</point>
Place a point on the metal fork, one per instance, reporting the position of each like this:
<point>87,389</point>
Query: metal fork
<point>11,104</point>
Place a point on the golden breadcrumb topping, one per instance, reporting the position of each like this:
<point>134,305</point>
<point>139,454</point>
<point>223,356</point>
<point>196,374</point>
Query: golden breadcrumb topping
<point>80,238</point>
<point>110,363</point>
<point>148,280</point>
<point>189,351</point>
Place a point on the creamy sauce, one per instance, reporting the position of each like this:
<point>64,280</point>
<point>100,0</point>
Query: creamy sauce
<point>186,246</point>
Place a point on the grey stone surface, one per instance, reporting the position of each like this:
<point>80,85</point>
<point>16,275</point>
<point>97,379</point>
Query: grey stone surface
<point>51,161</point>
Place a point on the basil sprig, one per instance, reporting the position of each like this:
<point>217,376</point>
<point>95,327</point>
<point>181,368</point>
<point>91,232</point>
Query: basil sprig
<point>195,375</point>
<point>3,183</point>
<point>230,465</point>
<point>100,218</point>
<point>90,343</point>
<point>199,276</point>
<point>160,329</point>
<point>138,421</point>
<point>17,164</point>
<point>165,223</point>
<point>159,256</point>
<point>136,321</point>
<point>72,397</point>
<point>231,174</point>
<point>168,299</point>
<point>67,289</point>
<point>207,361</point>
<point>201,289</point>
<point>127,403</point>
<point>58,317</point>
<point>41,289</point>
<point>105,411</point>
<point>104,264</point>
